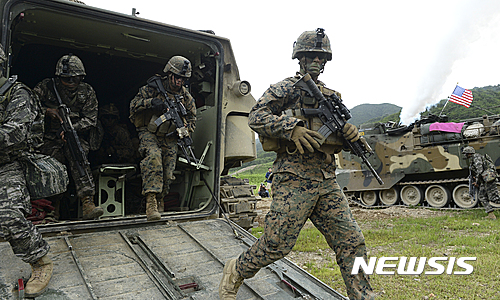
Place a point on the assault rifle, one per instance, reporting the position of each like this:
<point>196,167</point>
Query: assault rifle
<point>174,112</point>
<point>71,137</point>
<point>472,186</point>
<point>334,114</point>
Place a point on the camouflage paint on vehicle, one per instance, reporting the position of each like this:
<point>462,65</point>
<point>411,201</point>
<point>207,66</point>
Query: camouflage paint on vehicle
<point>427,162</point>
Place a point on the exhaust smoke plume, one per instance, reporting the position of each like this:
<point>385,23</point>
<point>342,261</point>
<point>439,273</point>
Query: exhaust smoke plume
<point>473,16</point>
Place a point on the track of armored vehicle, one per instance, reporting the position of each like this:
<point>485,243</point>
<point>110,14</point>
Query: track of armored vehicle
<point>420,164</point>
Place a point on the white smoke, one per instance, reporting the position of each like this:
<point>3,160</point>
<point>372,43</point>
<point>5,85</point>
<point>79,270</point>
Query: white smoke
<point>471,18</point>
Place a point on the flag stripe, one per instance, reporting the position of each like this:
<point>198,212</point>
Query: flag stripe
<point>461,96</point>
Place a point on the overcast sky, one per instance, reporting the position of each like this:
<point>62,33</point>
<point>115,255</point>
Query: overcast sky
<point>409,53</point>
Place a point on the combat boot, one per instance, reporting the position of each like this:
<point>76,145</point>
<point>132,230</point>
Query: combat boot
<point>41,272</point>
<point>231,281</point>
<point>89,210</point>
<point>491,216</point>
<point>152,207</point>
<point>161,205</point>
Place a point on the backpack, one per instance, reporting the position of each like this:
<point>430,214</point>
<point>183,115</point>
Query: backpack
<point>489,174</point>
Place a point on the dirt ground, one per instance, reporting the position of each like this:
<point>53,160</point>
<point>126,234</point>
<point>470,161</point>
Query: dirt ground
<point>361,215</point>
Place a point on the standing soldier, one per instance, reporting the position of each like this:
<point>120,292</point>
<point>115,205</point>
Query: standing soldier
<point>80,98</point>
<point>304,182</point>
<point>158,144</point>
<point>484,176</point>
<point>18,110</point>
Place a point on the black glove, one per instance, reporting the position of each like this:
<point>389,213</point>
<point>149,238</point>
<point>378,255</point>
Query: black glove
<point>158,104</point>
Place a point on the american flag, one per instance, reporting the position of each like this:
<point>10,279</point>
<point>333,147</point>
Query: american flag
<point>461,96</point>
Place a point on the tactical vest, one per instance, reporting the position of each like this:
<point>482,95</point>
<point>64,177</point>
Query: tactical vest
<point>35,130</point>
<point>331,145</point>
<point>147,117</point>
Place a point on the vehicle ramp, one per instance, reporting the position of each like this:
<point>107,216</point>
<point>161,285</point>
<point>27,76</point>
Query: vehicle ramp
<point>170,261</point>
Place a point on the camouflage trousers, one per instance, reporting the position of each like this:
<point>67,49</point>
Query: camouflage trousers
<point>24,238</point>
<point>158,163</point>
<point>294,201</point>
<point>60,151</point>
<point>488,192</point>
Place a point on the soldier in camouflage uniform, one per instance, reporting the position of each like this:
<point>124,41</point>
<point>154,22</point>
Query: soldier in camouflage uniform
<point>81,99</point>
<point>488,191</point>
<point>116,146</point>
<point>18,110</point>
<point>158,144</point>
<point>304,183</point>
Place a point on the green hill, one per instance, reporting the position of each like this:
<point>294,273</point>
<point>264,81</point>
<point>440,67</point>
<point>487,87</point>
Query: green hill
<point>364,113</point>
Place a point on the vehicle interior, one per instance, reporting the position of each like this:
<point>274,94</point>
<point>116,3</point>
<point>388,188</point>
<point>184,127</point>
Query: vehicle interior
<point>119,54</point>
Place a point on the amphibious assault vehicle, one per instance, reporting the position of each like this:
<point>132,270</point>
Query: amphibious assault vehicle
<point>421,163</point>
<point>121,255</point>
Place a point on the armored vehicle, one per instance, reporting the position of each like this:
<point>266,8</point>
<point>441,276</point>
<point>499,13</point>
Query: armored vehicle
<point>421,163</point>
<point>121,255</point>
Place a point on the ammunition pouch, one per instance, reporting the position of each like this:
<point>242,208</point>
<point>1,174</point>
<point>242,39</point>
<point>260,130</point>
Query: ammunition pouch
<point>269,144</point>
<point>152,127</point>
<point>164,128</point>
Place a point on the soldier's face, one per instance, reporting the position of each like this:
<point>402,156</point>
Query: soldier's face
<point>109,120</point>
<point>71,83</point>
<point>175,82</point>
<point>314,63</point>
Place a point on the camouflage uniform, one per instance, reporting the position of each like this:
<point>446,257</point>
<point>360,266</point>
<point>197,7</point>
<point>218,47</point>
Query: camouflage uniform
<point>159,151</point>
<point>116,146</point>
<point>304,186</point>
<point>488,191</point>
<point>16,118</point>
<point>84,107</point>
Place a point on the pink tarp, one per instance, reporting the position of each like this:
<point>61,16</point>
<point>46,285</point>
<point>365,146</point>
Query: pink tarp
<point>447,127</point>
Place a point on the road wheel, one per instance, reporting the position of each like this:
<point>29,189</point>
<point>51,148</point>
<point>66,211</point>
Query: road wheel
<point>411,195</point>
<point>437,196</point>
<point>389,197</point>
<point>369,198</point>
<point>462,198</point>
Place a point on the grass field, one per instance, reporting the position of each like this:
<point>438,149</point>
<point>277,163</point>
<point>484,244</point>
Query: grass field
<point>463,233</point>
<point>456,234</point>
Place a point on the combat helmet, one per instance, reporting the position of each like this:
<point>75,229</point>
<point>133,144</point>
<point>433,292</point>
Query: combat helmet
<point>179,65</point>
<point>70,65</point>
<point>312,41</point>
<point>109,109</point>
<point>468,150</point>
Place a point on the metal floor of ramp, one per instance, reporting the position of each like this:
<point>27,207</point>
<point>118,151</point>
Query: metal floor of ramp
<point>175,261</point>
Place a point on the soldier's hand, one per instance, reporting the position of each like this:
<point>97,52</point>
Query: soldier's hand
<point>158,104</point>
<point>350,132</point>
<point>60,132</point>
<point>53,113</point>
<point>302,136</point>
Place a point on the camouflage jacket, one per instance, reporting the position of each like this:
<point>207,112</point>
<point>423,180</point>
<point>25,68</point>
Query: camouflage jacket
<point>82,102</point>
<point>479,164</point>
<point>116,146</point>
<point>141,109</point>
<point>266,119</point>
<point>17,116</point>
